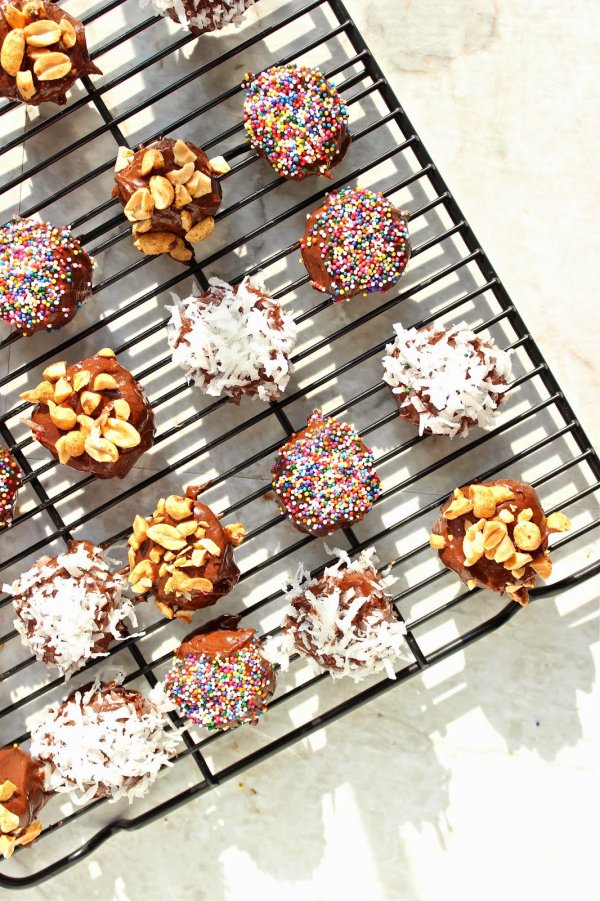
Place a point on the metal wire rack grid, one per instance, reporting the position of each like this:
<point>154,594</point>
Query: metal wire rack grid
<point>537,436</point>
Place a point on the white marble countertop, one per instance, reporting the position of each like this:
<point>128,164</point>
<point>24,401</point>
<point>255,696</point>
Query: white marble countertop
<point>476,779</point>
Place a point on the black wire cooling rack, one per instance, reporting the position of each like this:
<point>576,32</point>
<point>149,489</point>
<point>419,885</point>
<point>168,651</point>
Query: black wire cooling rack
<point>58,163</point>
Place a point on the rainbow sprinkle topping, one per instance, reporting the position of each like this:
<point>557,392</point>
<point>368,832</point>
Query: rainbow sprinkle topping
<point>326,477</point>
<point>296,118</point>
<point>10,482</point>
<point>37,267</point>
<point>221,692</point>
<point>363,242</point>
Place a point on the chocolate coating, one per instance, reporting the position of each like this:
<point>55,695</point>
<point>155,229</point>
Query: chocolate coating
<point>169,220</point>
<point>45,275</point>
<point>53,90</point>
<point>70,606</point>
<point>411,388</point>
<point>27,775</point>
<point>140,417</point>
<point>177,590</point>
<point>355,243</point>
<point>250,330</point>
<point>107,698</point>
<point>324,477</point>
<point>486,572</point>
<point>376,603</point>
<point>219,677</point>
<point>201,16</point>
<point>296,120</point>
<point>10,482</point>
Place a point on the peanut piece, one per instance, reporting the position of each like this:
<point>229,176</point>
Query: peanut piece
<point>483,501</point>
<point>183,154</point>
<point>40,394</point>
<point>81,379</point>
<point>154,243</point>
<point>185,584</point>
<point>61,449</point>
<point>181,176</point>
<point>199,184</point>
<point>437,542</point>
<point>178,507</point>
<point>139,228</point>
<point>219,165</point>
<point>162,192</point>
<point>471,584</point>
<point>527,536</point>
<point>140,528</point>
<point>152,159</point>
<point>459,505</point>
<point>473,543</point>
<point>525,515</point>
<point>62,391</point>
<point>122,409</point>
<point>501,493</point>
<point>74,444</point>
<point>13,51</point>
<point>186,220</point>
<point>86,424</point>
<point>558,522</point>
<point>493,533</point>
<point>182,196</point>
<point>201,230</point>
<point>506,516</point>
<point>124,157</point>
<point>42,33</point>
<point>198,558</point>
<point>518,593</point>
<point>67,33</point>
<point>542,566</point>
<point>89,401</point>
<point>121,433</point>
<point>235,533</point>
<point>101,449</point>
<point>31,833</point>
<point>35,52</point>
<point>156,554</point>
<point>166,611</point>
<point>167,536</point>
<point>180,252</point>
<point>104,381</point>
<point>25,85</point>
<point>52,66</point>
<point>64,418</point>
<point>140,205</point>
<point>186,528</point>
<point>106,352</point>
<point>8,821</point>
<point>7,790</point>
<point>140,588</point>
<point>211,546</point>
<point>504,551</point>
<point>14,16</point>
<point>55,371</point>
<point>33,11</point>
<point>143,570</point>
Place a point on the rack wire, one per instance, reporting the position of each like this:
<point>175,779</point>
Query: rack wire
<point>160,80</point>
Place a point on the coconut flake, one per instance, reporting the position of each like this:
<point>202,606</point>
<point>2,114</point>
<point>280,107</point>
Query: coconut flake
<point>234,345</point>
<point>453,374</point>
<point>333,627</point>
<point>67,604</point>
<point>202,15</point>
<point>89,746</point>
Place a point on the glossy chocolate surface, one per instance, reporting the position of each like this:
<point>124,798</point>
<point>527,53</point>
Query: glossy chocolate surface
<point>54,90</point>
<point>26,774</point>
<point>141,417</point>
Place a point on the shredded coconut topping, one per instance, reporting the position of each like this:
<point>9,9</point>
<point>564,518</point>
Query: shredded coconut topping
<point>68,605</point>
<point>201,15</point>
<point>449,376</point>
<point>232,341</point>
<point>337,626</point>
<point>103,741</point>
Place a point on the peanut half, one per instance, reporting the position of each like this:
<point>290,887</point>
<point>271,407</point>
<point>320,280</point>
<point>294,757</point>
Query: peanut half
<point>13,51</point>
<point>52,66</point>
